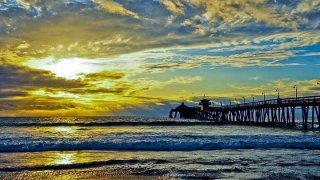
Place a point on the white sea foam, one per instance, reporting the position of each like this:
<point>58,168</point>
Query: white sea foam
<point>163,143</point>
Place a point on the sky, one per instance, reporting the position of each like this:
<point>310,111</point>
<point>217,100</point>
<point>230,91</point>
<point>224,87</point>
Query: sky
<point>143,57</point>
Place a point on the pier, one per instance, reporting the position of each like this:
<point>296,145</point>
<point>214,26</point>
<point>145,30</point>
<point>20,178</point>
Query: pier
<point>280,112</point>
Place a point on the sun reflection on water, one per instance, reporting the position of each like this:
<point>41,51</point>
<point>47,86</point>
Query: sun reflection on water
<point>67,130</point>
<point>65,158</point>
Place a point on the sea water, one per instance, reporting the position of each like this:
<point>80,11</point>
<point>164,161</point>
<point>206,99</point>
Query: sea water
<point>155,147</point>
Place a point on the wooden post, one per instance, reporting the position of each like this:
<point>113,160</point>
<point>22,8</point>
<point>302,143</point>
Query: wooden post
<point>288,116</point>
<point>283,118</point>
<point>268,113</point>
<point>293,116</point>
<point>318,115</point>
<point>305,110</point>
<point>312,119</point>
<point>272,116</point>
<point>279,115</point>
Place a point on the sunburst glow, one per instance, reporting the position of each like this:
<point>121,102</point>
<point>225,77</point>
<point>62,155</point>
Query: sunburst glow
<point>69,68</point>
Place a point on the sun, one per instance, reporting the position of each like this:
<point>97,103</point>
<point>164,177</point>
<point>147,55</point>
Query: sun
<point>69,68</point>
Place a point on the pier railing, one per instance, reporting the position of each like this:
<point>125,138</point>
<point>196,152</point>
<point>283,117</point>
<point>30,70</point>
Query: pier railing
<point>278,102</point>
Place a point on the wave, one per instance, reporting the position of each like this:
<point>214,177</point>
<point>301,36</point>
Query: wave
<point>165,143</point>
<point>93,164</point>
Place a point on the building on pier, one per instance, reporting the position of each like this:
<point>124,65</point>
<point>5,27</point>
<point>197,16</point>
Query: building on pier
<point>204,104</point>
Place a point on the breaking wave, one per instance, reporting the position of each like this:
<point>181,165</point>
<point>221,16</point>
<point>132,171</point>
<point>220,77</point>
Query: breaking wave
<point>81,165</point>
<point>164,143</point>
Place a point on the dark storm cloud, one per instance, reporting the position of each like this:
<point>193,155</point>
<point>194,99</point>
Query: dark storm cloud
<point>21,77</point>
<point>11,93</point>
<point>32,103</point>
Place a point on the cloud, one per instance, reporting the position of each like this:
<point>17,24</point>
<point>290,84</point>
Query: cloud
<point>37,104</point>
<point>165,66</point>
<point>104,75</point>
<point>175,6</point>
<point>23,45</point>
<point>99,56</point>
<point>237,12</point>
<point>15,76</point>
<point>11,93</point>
<point>43,91</point>
<point>263,51</point>
<point>26,3</point>
<point>307,6</point>
<point>115,8</point>
<point>254,57</point>
<point>312,54</point>
<point>307,87</point>
<point>183,80</point>
<point>291,40</point>
<point>85,91</point>
<point>52,28</point>
<point>144,84</point>
<point>248,59</point>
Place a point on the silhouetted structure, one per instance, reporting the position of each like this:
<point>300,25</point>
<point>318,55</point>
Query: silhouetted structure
<point>205,104</point>
<point>275,112</point>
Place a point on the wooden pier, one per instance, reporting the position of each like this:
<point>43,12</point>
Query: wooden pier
<point>279,112</point>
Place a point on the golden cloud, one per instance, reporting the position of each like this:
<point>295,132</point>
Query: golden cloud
<point>236,12</point>
<point>104,75</point>
<point>174,6</point>
<point>115,8</point>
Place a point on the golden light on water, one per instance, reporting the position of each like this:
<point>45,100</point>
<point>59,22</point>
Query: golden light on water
<point>64,158</point>
<point>69,157</point>
<point>64,130</point>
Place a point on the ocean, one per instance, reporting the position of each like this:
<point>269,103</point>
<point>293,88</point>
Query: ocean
<point>152,148</point>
